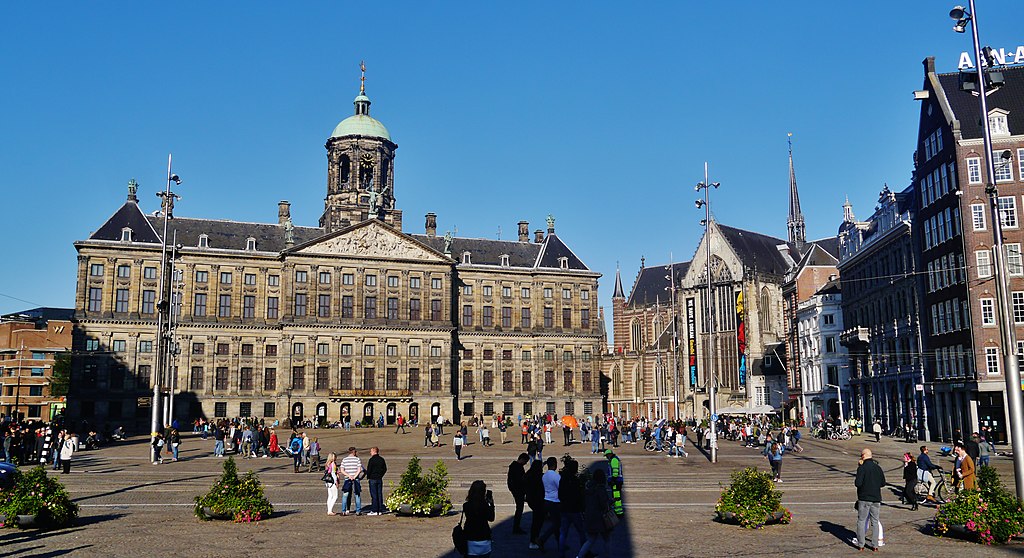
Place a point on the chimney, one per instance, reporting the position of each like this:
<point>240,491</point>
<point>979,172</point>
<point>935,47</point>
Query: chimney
<point>284,212</point>
<point>524,231</point>
<point>538,236</point>
<point>431,226</point>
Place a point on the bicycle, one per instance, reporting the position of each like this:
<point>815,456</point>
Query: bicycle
<point>652,445</point>
<point>942,487</point>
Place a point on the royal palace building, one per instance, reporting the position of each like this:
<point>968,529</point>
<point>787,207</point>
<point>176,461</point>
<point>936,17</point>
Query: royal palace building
<point>352,318</point>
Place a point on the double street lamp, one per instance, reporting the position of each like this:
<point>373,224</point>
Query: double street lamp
<point>1007,334</point>
<point>167,199</point>
<point>712,376</point>
<point>839,395</point>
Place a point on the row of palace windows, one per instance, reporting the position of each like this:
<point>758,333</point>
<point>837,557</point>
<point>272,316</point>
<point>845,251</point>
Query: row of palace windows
<point>247,379</point>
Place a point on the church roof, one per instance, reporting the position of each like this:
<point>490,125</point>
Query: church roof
<point>757,251</point>
<point>652,283</point>
<point>619,293</point>
<point>128,215</point>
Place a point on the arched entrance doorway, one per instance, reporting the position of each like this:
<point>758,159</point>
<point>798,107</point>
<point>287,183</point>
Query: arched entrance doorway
<point>414,414</point>
<point>346,413</point>
<point>321,414</point>
<point>296,414</point>
<point>391,414</point>
<point>368,413</point>
<point>435,411</point>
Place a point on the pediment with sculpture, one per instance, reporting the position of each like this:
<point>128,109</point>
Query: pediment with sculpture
<point>370,240</point>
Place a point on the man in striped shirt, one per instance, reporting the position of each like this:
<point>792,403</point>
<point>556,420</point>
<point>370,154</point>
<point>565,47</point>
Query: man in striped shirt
<point>352,470</point>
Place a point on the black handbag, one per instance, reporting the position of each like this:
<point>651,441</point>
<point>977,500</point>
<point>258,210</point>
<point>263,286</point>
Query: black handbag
<point>328,478</point>
<point>459,537</point>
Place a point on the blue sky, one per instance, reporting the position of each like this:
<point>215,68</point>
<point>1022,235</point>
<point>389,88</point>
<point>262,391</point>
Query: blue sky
<point>601,114</point>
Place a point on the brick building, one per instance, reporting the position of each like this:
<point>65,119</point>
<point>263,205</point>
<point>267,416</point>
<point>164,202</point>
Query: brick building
<point>30,343</point>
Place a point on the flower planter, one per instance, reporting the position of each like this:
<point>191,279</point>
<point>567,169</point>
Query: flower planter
<point>222,516</point>
<point>961,532</point>
<point>406,510</point>
<point>25,520</point>
<point>730,517</point>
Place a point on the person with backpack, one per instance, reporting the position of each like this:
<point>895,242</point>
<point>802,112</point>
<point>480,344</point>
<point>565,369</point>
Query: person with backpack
<point>314,455</point>
<point>295,448</point>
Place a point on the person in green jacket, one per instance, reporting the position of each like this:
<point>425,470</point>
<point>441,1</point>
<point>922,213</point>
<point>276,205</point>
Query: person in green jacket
<point>615,480</point>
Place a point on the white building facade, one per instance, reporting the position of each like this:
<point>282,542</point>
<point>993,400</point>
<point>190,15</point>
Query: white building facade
<point>823,360</point>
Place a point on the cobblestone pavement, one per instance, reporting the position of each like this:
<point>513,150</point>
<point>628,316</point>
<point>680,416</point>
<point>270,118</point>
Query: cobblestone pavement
<point>131,507</point>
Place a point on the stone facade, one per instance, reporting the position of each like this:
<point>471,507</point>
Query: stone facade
<point>352,318</point>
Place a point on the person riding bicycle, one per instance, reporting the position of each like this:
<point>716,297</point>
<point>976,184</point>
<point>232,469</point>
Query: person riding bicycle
<point>924,472</point>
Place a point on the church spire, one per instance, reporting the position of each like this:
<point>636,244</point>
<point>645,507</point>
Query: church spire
<point>795,223</point>
<point>362,102</point>
<point>619,293</point>
<point>848,211</point>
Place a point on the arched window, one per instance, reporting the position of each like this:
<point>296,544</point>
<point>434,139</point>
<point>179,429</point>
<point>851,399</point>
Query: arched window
<point>765,310</point>
<point>344,170</point>
<point>636,334</point>
<point>617,381</point>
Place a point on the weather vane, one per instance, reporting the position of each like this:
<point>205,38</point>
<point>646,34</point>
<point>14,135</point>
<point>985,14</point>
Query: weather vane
<point>362,77</point>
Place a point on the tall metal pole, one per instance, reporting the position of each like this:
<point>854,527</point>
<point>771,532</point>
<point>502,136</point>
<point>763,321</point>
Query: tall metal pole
<point>166,205</point>
<point>712,376</point>
<point>1007,334</point>
<point>172,332</point>
<point>675,341</point>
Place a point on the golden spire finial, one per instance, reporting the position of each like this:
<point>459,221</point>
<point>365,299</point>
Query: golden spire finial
<point>362,77</point>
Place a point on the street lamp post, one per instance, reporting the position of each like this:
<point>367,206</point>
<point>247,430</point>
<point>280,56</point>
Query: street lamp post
<point>839,394</point>
<point>712,377</point>
<point>1014,397</point>
<point>675,338</point>
<point>167,198</point>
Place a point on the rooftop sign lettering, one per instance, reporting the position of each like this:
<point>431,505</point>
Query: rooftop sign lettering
<point>1001,55</point>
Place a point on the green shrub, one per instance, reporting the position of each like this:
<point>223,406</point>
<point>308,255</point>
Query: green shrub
<point>752,497</point>
<point>991,513</point>
<point>422,493</point>
<point>35,493</point>
<point>241,498</point>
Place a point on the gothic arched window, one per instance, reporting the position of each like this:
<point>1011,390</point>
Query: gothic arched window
<point>344,170</point>
<point>636,334</point>
<point>765,310</point>
<point>617,381</point>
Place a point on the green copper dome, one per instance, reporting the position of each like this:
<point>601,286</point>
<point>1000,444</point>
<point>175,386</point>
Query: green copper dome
<point>361,123</point>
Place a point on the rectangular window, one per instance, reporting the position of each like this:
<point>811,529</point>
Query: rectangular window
<point>223,348</point>
<point>320,381</point>
<point>549,381</point>
<point>1017,298</point>
<point>414,350</point>
<point>567,380</point>
<point>435,283</point>
<point>467,354</point>
<point>347,306</point>
<point>506,316</point>
<point>585,318</point>
<point>488,354</point>
<point>1014,264</point>
<point>300,304</point>
<point>435,310</point>
<point>298,348</point>
<point>224,306</point>
<point>323,306</point>
<point>348,279</point>
<point>435,379</point>
<point>467,290</point>
<point>120,345</point>
<point>414,282</point>
<point>525,318</point>
<point>566,356</point>
<point>245,382</point>
<point>506,381</point>
<point>467,380</point>
<point>346,377</point>
<point>566,318</point>
<point>96,270</point>
<point>370,307</point>
<point>124,271</point>
<point>95,299</point>
<point>992,361</point>
<point>202,276</point>
<point>487,290</point>
<point>273,280</point>
<point>392,308</point>
<point>830,344</point>
<point>272,307</point>
<point>369,350</point>
<point>298,377</point>
<point>585,356</point>
<point>506,292</point>
<point>488,380</point>
<point>984,261</point>
<point>323,348</point>
<point>1008,211</point>
<point>587,384</point>
<point>370,281</point>
<point>195,380</point>
<point>225,278</point>
<point>488,316</point>
<point>435,351</point>
<point>974,170</point>
<point>467,315</point>
<point>247,349</point>
<point>269,379</point>
<point>220,409</point>
<point>1004,170</point>
<point>549,355</point>
<point>414,309</point>
<point>369,378</point>
<point>245,409</point>
<point>220,378</point>
<point>145,346</point>
<point>198,348</point>
<point>549,317</point>
<point>978,216</point>
<point>548,292</point>
<point>391,378</point>
<point>148,302</point>
<point>300,276</point>
<point>121,302</point>
<point>414,379</point>
<point>988,312</point>
<point>524,292</point>
<point>325,277</point>
<point>392,280</point>
<point>391,350</point>
<point>269,410</point>
<point>249,278</point>
<point>248,306</point>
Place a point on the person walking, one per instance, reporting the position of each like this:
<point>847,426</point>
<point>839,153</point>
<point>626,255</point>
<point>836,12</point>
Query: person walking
<point>595,506</point>
<point>615,479</point>
<point>965,477</point>
<point>457,442</point>
<point>314,455</point>
<point>516,483</point>
<point>535,499</point>
<point>273,446</point>
<point>774,455</point>
<point>552,510</point>
<point>876,428</point>
<point>869,482</point>
<point>400,424</point>
<point>352,469</point>
<point>909,481</point>
<point>570,500</point>
<point>531,450</point>
<point>175,441</point>
<point>158,447</point>
<point>478,510</point>
<point>376,468</point>
<point>218,441</point>
<point>985,450</point>
<point>502,430</point>
<point>440,425</point>
<point>67,451</point>
<point>428,435</point>
<point>331,472</point>
<point>295,447</point>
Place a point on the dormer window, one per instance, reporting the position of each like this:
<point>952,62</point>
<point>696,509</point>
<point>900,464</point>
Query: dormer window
<point>467,258</point>
<point>997,122</point>
<point>563,262</point>
<point>250,244</point>
<point>204,241</point>
<point>504,260</point>
<point>126,234</point>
